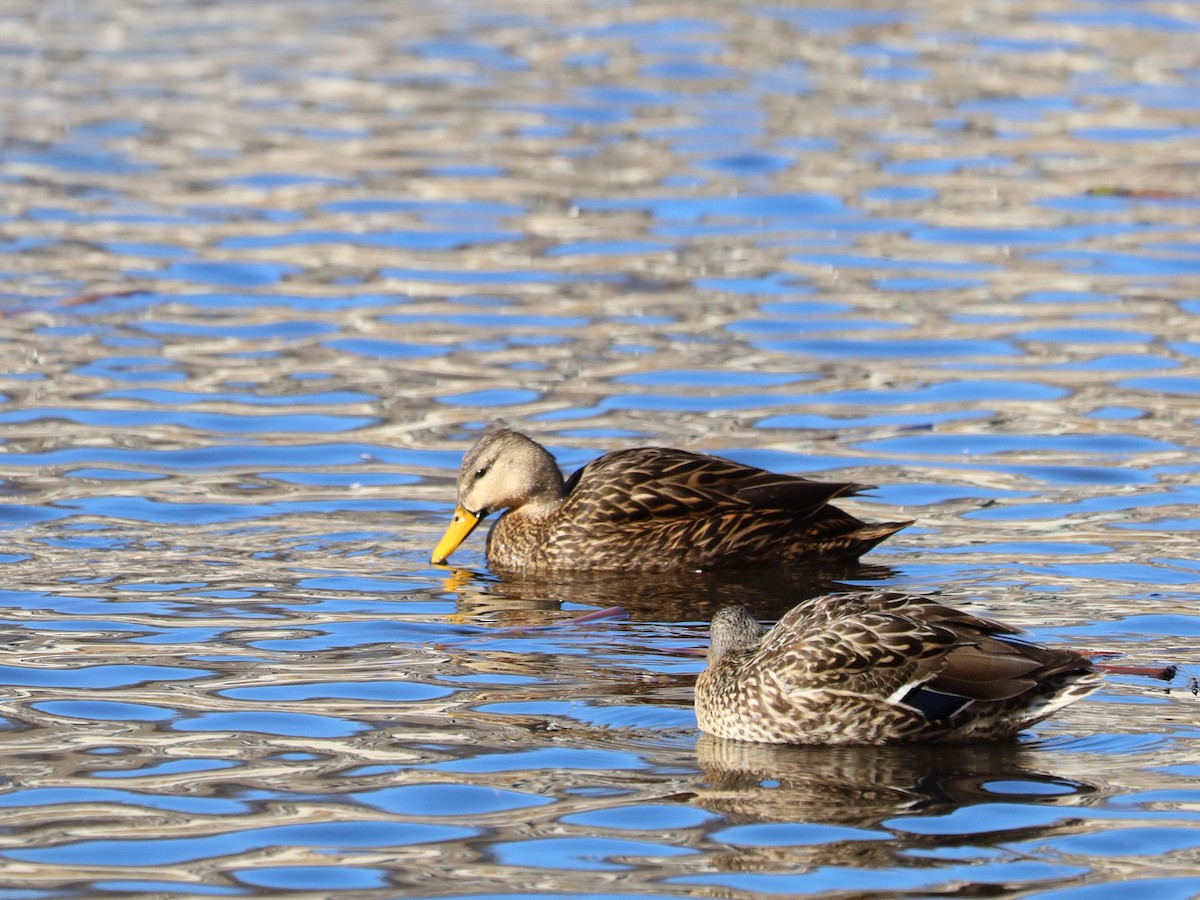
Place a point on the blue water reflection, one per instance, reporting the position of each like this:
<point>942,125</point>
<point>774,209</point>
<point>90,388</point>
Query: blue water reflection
<point>166,851</point>
<point>269,269</point>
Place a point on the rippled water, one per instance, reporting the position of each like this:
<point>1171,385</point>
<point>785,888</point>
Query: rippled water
<point>267,269</point>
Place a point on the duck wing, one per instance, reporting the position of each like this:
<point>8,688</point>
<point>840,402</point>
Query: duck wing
<point>844,641</point>
<point>659,483</point>
<point>912,650</point>
<point>989,660</point>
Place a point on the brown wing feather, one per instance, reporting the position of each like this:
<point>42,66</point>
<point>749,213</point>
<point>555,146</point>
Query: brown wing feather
<point>652,482</point>
<point>896,638</point>
<point>988,661</point>
<point>887,649</point>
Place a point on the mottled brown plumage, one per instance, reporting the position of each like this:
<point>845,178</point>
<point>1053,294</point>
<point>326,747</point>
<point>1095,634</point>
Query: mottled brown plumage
<point>879,668</point>
<point>648,509</point>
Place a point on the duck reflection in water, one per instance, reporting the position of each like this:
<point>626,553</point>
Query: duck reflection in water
<point>647,509</point>
<point>522,599</point>
<point>879,668</point>
<point>865,785</point>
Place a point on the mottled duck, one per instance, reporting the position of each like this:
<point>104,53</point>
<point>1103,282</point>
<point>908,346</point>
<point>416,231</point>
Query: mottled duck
<point>879,668</point>
<point>650,509</point>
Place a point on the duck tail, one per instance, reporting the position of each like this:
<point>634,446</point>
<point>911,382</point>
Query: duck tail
<point>840,536</point>
<point>869,535</point>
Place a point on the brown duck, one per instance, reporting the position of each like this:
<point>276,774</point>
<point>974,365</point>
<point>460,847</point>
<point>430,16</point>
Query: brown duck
<point>879,668</point>
<point>648,509</point>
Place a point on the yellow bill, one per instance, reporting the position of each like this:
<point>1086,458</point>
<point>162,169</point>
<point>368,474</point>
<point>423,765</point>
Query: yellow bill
<point>460,526</point>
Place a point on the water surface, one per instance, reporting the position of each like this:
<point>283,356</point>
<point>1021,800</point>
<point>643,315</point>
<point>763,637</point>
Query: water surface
<point>267,269</point>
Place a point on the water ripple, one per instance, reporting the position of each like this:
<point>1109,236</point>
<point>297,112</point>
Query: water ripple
<point>268,269</point>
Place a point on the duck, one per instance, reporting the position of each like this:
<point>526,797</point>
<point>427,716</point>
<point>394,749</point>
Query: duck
<point>880,667</point>
<point>647,509</point>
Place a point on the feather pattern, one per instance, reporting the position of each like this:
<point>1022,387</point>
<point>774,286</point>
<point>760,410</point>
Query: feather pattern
<point>651,509</point>
<point>877,668</point>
